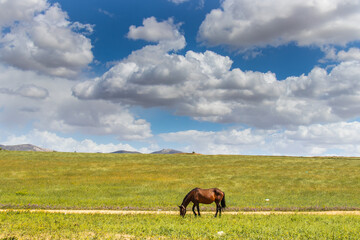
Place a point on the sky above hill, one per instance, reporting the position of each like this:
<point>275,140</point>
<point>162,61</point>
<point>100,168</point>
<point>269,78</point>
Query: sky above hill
<point>271,77</point>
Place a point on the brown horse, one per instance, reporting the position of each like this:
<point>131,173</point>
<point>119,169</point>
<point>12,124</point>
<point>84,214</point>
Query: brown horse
<point>207,196</point>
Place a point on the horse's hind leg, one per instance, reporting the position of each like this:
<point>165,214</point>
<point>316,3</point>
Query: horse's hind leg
<point>193,208</point>
<point>218,209</point>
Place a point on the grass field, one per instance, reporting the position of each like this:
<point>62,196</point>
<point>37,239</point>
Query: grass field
<point>75,180</point>
<point>60,226</point>
<point>134,181</point>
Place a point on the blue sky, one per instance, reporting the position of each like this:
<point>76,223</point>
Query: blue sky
<point>269,77</point>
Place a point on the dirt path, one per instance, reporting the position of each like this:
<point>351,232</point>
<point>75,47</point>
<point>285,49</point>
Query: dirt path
<point>124,212</point>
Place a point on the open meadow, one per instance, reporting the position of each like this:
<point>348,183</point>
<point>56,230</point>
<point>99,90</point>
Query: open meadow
<point>14,225</point>
<point>30,180</point>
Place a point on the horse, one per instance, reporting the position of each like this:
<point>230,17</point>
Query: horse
<point>206,196</point>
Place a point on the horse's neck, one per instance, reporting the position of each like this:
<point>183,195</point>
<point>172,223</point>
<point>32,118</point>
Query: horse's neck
<point>187,199</point>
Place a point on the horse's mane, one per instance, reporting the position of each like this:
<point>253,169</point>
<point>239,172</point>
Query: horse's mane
<point>189,194</point>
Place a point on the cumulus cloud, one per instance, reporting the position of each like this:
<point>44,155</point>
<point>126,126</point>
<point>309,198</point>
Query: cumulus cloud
<point>19,10</point>
<point>352,54</point>
<point>41,46</point>
<point>246,24</point>
<point>52,141</point>
<point>49,105</point>
<point>99,118</point>
<point>205,87</point>
<point>165,33</point>
<point>154,31</point>
<point>44,41</point>
<point>340,138</point>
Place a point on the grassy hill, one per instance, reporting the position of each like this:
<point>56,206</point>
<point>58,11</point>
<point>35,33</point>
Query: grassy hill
<point>152,181</point>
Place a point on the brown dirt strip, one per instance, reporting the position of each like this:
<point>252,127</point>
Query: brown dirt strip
<point>125,212</point>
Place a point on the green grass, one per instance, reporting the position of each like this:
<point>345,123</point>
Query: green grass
<point>128,181</point>
<point>76,180</point>
<point>14,225</point>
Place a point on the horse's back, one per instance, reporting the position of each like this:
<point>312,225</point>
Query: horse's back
<point>208,195</point>
<point>216,191</point>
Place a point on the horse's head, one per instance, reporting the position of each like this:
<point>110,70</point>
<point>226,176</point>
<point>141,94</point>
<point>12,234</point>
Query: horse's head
<point>182,210</point>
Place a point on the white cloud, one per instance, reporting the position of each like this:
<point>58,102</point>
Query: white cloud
<point>224,142</point>
<point>154,31</point>
<point>178,1</point>
<point>27,90</point>
<point>165,33</point>
<point>106,13</point>
<point>327,134</point>
<point>32,91</point>
<point>246,24</point>
<point>38,44</point>
<point>205,87</point>
<point>49,105</point>
<point>98,118</point>
<point>328,139</point>
<point>19,10</point>
<point>45,41</point>
<point>52,141</point>
<point>352,54</point>
<point>339,139</point>
<point>201,3</point>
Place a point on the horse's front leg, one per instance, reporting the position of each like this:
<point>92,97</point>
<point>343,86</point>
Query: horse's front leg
<point>193,208</point>
<point>198,208</point>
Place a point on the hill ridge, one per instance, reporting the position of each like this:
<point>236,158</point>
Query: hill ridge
<point>167,151</point>
<point>25,147</point>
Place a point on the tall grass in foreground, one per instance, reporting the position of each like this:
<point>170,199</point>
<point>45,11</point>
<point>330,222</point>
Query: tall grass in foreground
<point>126,181</point>
<point>14,225</point>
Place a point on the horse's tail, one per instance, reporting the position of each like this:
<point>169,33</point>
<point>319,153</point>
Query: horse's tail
<point>223,204</point>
